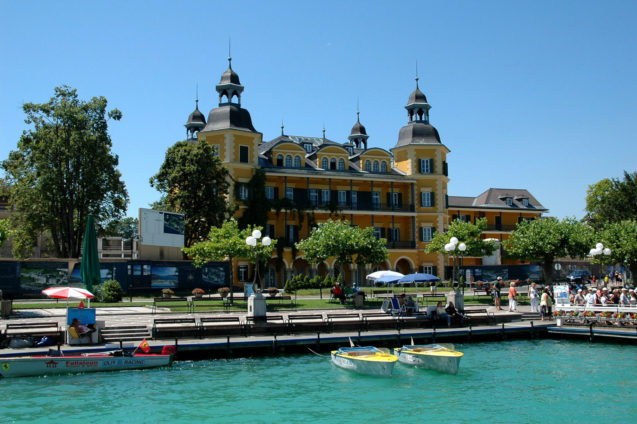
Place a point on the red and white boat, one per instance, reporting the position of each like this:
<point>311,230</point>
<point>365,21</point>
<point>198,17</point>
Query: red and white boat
<point>24,366</point>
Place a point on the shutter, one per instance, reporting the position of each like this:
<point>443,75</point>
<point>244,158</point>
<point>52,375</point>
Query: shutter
<point>421,166</point>
<point>445,168</point>
<point>400,200</point>
<point>276,193</point>
<point>446,201</point>
<point>388,198</point>
<point>422,199</point>
<point>434,270</point>
<point>422,233</point>
<point>296,233</point>
<point>421,268</point>
<point>433,232</point>
<point>432,197</point>
<point>397,234</point>
<point>431,166</point>
<point>382,232</point>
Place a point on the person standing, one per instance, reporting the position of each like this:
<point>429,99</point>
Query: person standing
<point>533,295</point>
<point>546,304</point>
<point>496,293</point>
<point>513,294</point>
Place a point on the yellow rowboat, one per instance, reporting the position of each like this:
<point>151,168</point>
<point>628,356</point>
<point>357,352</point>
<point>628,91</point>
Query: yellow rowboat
<point>365,360</point>
<point>433,357</point>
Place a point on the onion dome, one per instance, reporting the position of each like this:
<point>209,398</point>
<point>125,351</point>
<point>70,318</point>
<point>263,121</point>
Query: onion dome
<point>418,130</point>
<point>196,122</point>
<point>358,136</point>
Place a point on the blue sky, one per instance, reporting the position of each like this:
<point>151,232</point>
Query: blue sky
<point>539,95</point>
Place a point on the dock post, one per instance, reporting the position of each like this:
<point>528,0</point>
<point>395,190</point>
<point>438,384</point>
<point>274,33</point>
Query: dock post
<point>532,330</point>
<point>318,340</point>
<point>590,333</point>
<point>274,344</point>
<point>503,333</point>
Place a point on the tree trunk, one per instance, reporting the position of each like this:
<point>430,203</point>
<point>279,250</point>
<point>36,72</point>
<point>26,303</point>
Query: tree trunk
<point>548,270</point>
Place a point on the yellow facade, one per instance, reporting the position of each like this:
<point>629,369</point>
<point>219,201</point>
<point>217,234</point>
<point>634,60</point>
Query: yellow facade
<point>402,193</point>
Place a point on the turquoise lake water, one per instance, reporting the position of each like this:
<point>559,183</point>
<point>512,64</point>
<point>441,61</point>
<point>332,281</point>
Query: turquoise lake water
<point>541,381</point>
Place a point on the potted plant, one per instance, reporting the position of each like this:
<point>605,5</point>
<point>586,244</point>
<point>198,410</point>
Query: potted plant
<point>223,291</point>
<point>198,292</point>
<point>273,291</point>
<point>167,293</point>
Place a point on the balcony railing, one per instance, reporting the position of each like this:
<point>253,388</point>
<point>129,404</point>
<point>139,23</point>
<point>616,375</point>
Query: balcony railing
<point>506,228</point>
<point>401,245</point>
<point>380,207</point>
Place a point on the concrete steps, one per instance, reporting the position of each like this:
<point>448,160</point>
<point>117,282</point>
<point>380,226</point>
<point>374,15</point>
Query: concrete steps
<point>126,333</point>
<point>531,316</point>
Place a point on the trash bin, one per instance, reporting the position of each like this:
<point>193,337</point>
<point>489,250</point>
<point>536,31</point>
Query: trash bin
<point>359,299</point>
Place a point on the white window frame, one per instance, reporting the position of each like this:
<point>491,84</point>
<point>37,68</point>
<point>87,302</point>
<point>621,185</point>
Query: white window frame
<point>243,192</point>
<point>269,193</point>
<point>297,161</point>
<point>377,233</point>
<point>425,199</point>
<point>395,199</point>
<point>313,197</point>
<point>325,196</point>
<point>289,193</point>
<point>341,164</point>
<point>376,199</point>
<point>342,197</point>
<point>325,163</point>
<point>354,196</point>
<point>426,233</point>
<point>428,269</point>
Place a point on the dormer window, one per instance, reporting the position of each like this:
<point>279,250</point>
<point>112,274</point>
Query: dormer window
<point>307,147</point>
<point>324,163</point>
<point>341,164</point>
<point>525,202</point>
<point>297,161</point>
<point>509,201</point>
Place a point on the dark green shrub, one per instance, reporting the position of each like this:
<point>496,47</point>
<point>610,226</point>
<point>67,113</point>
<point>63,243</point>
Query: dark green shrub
<point>110,292</point>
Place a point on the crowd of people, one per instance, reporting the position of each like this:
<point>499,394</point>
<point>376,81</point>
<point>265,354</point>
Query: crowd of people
<point>604,296</point>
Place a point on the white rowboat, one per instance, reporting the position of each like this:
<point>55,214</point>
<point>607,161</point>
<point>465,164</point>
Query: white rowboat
<point>365,360</point>
<point>433,357</point>
<point>23,366</point>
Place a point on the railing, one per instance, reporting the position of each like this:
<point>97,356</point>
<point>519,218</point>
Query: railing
<point>381,207</point>
<point>401,245</point>
<point>507,228</point>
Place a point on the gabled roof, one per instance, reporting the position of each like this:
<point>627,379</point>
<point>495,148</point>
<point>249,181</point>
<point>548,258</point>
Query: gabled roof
<point>495,198</point>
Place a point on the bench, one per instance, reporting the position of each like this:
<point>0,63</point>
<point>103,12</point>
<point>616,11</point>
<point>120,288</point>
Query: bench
<point>468,313</point>
<point>210,300</point>
<point>300,323</point>
<point>482,292</point>
<point>344,322</point>
<point>380,321</point>
<point>221,326</point>
<point>279,299</point>
<point>33,329</point>
<point>269,324</point>
<point>437,297</point>
<point>382,293</point>
<point>167,328</point>
<point>173,300</point>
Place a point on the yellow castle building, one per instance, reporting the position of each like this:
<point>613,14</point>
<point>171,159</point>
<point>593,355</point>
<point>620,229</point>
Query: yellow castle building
<point>401,193</point>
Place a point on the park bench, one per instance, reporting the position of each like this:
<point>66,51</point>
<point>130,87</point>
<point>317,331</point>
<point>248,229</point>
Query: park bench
<point>380,321</point>
<point>382,293</point>
<point>269,324</point>
<point>222,326</point>
<point>344,322</point>
<point>472,314</point>
<point>278,299</point>
<point>305,323</point>
<point>433,297</point>
<point>172,300</point>
<point>167,328</point>
<point>33,329</point>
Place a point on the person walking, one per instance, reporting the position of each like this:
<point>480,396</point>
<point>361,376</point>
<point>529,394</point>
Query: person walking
<point>513,294</point>
<point>496,293</point>
<point>535,298</point>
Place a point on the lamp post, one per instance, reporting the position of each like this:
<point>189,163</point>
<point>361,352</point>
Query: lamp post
<point>456,249</point>
<point>256,301</point>
<point>253,242</point>
<point>602,252</point>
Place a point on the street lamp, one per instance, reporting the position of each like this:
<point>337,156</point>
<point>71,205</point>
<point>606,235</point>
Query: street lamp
<point>456,249</point>
<point>601,251</point>
<point>253,242</point>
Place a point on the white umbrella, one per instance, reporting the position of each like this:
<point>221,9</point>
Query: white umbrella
<point>380,274</point>
<point>69,293</point>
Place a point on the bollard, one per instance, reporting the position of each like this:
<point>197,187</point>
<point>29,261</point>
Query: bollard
<point>274,344</point>
<point>503,333</point>
<point>532,330</point>
<point>318,340</point>
<point>590,332</point>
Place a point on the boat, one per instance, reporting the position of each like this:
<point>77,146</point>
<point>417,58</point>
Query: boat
<point>365,360</point>
<point>443,358</point>
<point>58,363</point>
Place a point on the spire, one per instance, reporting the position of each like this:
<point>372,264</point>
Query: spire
<point>358,136</point>
<point>417,75</point>
<point>229,55</point>
<point>323,131</point>
<point>282,127</point>
<point>196,121</point>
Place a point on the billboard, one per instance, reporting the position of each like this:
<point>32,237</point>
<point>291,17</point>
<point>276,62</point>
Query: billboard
<point>159,228</point>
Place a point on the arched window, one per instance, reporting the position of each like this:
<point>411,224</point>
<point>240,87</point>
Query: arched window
<point>332,163</point>
<point>376,166</point>
<point>325,163</point>
<point>279,160</point>
<point>288,161</point>
<point>368,166</point>
<point>383,167</point>
<point>341,164</point>
<point>297,161</point>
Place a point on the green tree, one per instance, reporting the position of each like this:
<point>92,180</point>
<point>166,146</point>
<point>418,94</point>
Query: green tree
<point>125,228</point>
<point>345,243</point>
<point>5,230</point>
<point>621,238</point>
<point>62,171</point>
<point>547,239</point>
<point>612,200</point>
<point>228,242</point>
<point>466,232</point>
<point>194,182</point>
